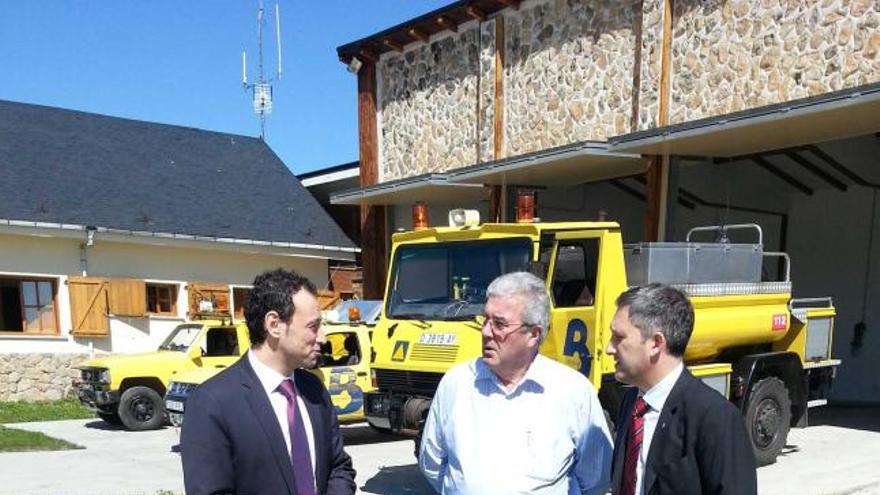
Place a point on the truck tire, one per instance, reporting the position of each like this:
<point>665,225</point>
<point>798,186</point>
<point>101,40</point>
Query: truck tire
<point>141,408</point>
<point>111,418</point>
<point>768,418</point>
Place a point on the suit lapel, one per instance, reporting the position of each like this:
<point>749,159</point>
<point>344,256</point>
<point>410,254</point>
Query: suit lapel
<point>316,417</point>
<point>669,431</point>
<point>262,409</point>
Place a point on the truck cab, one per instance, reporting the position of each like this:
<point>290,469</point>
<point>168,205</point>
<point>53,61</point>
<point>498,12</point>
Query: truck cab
<point>747,343</point>
<point>127,389</point>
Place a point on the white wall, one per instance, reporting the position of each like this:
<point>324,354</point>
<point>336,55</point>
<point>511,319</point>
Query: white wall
<point>30,255</point>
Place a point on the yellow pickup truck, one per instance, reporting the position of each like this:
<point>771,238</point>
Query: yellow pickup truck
<point>344,366</point>
<point>127,389</point>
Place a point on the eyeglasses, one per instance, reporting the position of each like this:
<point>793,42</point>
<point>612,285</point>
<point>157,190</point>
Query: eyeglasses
<point>498,328</point>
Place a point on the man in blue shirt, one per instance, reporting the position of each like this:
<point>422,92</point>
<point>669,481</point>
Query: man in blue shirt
<point>514,421</point>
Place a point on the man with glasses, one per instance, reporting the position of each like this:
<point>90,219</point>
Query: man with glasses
<point>515,421</point>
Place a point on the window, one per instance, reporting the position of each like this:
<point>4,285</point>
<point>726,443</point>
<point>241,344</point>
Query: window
<point>162,299</point>
<point>574,275</point>
<point>28,306</point>
<point>239,300</point>
<point>221,342</point>
<point>341,349</point>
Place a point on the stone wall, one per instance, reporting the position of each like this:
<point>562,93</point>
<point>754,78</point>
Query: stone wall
<point>568,77</point>
<point>427,99</point>
<point>38,376</point>
<point>731,55</point>
<point>568,72</point>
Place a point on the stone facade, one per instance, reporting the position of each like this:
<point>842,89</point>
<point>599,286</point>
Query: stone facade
<point>568,73</point>
<point>571,74</point>
<point>38,376</point>
<point>731,55</point>
<point>427,99</point>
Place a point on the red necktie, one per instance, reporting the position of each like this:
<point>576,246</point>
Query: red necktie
<point>300,458</point>
<point>634,446</point>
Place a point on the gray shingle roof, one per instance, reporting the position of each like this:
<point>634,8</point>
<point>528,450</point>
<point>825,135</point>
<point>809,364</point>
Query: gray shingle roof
<point>64,166</point>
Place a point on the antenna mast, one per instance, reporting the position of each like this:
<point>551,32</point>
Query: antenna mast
<point>261,89</point>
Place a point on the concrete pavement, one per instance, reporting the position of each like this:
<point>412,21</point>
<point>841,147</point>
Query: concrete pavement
<point>836,456</point>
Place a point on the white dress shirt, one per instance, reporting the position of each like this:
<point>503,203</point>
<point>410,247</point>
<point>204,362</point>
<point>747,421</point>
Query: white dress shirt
<point>546,436</point>
<point>270,380</point>
<point>655,397</point>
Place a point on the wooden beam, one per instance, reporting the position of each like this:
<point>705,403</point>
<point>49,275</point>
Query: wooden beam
<point>446,23</point>
<point>419,35</point>
<point>369,55</point>
<point>372,218</point>
<point>830,179</point>
<point>392,44</point>
<point>475,13</point>
<point>653,198</point>
<point>665,63</point>
<point>836,165</point>
<point>514,4</point>
<point>785,176</point>
<point>499,88</point>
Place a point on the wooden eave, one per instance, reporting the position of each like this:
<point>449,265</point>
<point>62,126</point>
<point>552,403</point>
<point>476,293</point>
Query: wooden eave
<point>420,29</point>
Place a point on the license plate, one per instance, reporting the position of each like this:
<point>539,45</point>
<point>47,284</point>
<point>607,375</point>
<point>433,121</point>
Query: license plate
<point>174,405</point>
<point>438,339</point>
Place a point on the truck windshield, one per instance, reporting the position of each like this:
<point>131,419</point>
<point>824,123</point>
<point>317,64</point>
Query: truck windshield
<point>448,281</point>
<point>181,338</point>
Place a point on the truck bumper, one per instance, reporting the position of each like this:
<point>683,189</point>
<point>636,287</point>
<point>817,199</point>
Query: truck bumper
<point>396,411</point>
<point>175,405</point>
<point>96,397</point>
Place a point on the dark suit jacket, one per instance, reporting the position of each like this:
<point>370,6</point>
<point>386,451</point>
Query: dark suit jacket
<point>232,443</point>
<point>699,446</point>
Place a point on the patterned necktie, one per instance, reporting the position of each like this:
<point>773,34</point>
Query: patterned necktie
<point>634,446</point>
<point>300,459</point>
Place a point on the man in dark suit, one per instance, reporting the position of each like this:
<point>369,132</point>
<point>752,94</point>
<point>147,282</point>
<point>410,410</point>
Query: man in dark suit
<point>675,435</point>
<point>265,425</point>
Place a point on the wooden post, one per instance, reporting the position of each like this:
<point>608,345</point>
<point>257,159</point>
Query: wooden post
<point>372,218</point>
<point>656,174</point>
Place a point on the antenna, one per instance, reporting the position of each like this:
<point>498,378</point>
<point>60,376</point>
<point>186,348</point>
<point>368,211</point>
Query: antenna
<point>261,89</point>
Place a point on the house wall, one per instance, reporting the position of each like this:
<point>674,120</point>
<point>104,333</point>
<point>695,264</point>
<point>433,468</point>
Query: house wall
<point>58,258</point>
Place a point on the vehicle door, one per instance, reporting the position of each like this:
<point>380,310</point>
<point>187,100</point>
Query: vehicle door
<point>573,282</point>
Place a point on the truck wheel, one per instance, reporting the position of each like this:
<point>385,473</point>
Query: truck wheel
<point>768,418</point>
<point>141,408</point>
<point>110,418</point>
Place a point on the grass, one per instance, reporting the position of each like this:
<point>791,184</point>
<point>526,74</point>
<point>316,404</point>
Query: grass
<point>22,412</point>
<point>12,440</point>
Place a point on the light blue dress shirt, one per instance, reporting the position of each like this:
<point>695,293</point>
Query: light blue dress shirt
<point>547,436</point>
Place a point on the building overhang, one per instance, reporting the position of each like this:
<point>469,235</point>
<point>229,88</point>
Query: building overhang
<point>432,188</point>
<point>842,114</point>
<point>579,163</point>
<point>583,162</point>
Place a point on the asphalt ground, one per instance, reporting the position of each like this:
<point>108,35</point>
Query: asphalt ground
<point>837,455</point>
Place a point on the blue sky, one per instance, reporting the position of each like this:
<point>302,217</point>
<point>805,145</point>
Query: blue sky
<point>179,62</point>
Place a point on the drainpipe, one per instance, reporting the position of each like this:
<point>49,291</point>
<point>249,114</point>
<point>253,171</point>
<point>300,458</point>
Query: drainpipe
<point>89,242</point>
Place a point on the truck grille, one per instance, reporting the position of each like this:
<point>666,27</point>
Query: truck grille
<point>436,353</point>
<point>408,381</point>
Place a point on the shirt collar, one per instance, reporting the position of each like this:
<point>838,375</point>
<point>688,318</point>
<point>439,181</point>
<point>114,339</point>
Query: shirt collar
<point>535,374</point>
<point>656,396</point>
<point>269,378</point>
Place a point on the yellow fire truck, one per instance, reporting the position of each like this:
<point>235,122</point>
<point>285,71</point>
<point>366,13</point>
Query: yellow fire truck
<point>768,353</point>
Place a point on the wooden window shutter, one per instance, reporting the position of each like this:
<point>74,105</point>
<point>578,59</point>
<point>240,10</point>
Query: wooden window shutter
<point>218,294</point>
<point>89,306</point>
<point>128,297</point>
